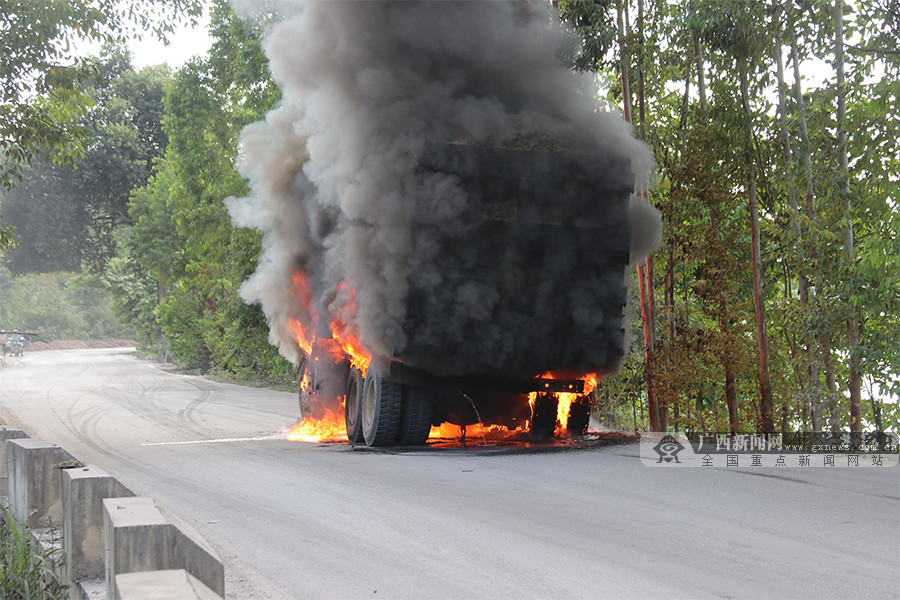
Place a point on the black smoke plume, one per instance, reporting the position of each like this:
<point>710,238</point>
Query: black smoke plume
<point>448,188</point>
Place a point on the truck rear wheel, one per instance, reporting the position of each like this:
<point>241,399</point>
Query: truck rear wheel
<point>353,406</point>
<point>579,416</point>
<point>382,408</point>
<point>543,416</point>
<point>415,422</point>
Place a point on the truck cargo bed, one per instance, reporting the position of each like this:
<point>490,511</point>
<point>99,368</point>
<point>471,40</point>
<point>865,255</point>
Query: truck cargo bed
<point>541,250</point>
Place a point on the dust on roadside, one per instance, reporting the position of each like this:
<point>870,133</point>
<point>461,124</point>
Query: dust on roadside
<point>80,345</point>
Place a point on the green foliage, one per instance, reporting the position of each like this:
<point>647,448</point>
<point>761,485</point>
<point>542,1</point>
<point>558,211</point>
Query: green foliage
<point>705,315</point>
<point>40,99</point>
<point>60,306</point>
<point>134,295</point>
<point>51,227</point>
<point>182,235</point>
<point>156,152</point>
<point>594,22</point>
<point>734,26</point>
<point>25,573</point>
<point>65,216</point>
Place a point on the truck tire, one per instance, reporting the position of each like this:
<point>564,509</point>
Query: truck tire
<point>382,407</point>
<point>543,416</point>
<point>415,422</point>
<point>579,416</point>
<point>353,406</point>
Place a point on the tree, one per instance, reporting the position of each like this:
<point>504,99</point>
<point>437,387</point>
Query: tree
<point>65,214</point>
<point>182,235</point>
<point>599,31</point>
<point>844,178</point>
<point>732,28</point>
<point>59,306</point>
<point>40,97</point>
<point>710,81</point>
<point>51,227</point>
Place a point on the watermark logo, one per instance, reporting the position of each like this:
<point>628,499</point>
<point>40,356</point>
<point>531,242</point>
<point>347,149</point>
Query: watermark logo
<point>668,448</point>
<point>779,450</point>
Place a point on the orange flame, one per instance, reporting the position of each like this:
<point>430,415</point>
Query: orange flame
<point>353,350</point>
<point>590,382</point>
<point>349,340</point>
<point>478,433</point>
<point>345,344</point>
<point>304,340</point>
<point>329,428</point>
<point>563,408</point>
<point>303,332</point>
<point>304,383</point>
<point>565,399</point>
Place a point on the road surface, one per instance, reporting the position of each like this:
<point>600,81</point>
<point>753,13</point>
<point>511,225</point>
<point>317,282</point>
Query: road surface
<point>299,520</point>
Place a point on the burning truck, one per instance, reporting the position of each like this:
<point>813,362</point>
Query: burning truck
<point>447,219</point>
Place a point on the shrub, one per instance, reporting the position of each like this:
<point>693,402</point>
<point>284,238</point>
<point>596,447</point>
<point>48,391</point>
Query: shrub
<point>25,572</point>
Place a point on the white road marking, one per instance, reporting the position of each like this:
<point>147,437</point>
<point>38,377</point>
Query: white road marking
<point>218,441</point>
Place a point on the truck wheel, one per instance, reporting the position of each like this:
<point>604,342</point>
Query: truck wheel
<point>415,422</point>
<point>381,410</point>
<point>353,406</point>
<point>579,416</point>
<point>543,416</point>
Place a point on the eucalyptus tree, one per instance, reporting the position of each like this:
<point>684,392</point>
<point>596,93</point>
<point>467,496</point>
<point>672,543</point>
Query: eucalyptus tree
<point>735,29</point>
<point>867,92</point>
<point>855,377</point>
<point>608,41</point>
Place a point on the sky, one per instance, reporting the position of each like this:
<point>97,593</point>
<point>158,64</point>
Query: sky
<point>185,43</point>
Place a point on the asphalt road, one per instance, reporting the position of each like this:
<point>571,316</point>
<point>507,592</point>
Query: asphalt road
<point>298,520</point>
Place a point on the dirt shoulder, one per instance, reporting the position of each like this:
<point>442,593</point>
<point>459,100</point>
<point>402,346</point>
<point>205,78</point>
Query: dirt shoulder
<point>78,344</point>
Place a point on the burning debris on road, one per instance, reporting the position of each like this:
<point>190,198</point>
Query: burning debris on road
<point>447,219</point>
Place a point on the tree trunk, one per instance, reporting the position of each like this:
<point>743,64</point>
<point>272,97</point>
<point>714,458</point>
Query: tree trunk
<point>669,295</point>
<point>642,110</point>
<point>787,155</point>
<point>623,64</point>
<point>162,352</point>
<point>731,400</point>
<point>844,174</point>
<point>725,329</point>
<point>831,385</point>
<point>804,150</point>
<point>734,420</point>
<point>645,282</point>
<point>809,389</point>
<point>821,348</point>
<point>648,263</point>
<point>766,422</point>
<point>701,80</point>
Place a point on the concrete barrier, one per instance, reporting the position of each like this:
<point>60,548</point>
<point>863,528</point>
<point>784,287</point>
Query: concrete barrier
<point>175,584</point>
<point>34,496</point>
<point>139,538</point>
<point>114,545</point>
<point>8,433</point>
<point>83,490</point>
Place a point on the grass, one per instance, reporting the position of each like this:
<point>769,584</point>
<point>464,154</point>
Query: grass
<point>26,573</point>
